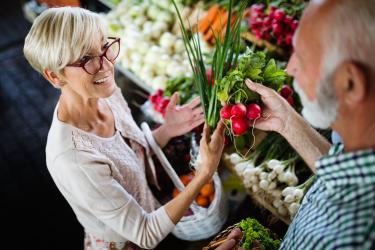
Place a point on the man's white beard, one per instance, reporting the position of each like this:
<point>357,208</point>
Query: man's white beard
<point>322,112</point>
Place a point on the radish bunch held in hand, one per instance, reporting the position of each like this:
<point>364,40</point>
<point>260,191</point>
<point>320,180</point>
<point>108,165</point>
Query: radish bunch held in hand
<point>159,102</point>
<point>240,117</point>
<point>287,92</point>
<point>273,25</point>
<point>240,106</point>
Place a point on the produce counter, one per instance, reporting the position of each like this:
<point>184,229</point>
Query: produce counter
<point>153,57</point>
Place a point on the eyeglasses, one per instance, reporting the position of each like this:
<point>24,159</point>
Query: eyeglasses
<point>92,64</point>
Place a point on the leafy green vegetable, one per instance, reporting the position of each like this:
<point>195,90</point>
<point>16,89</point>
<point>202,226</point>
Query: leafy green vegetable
<point>257,235</point>
<point>184,86</point>
<point>252,65</point>
<point>291,7</point>
<point>273,76</point>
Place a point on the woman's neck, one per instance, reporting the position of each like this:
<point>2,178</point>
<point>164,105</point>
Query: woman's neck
<point>89,114</point>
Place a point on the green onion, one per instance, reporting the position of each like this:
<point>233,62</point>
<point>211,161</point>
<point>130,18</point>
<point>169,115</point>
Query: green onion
<point>225,56</point>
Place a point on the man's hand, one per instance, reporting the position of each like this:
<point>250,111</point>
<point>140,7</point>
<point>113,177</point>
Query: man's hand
<point>279,116</point>
<point>276,110</point>
<point>234,236</point>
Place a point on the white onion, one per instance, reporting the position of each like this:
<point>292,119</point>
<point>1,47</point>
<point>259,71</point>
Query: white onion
<point>272,185</point>
<point>282,210</point>
<point>293,208</point>
<point>289,198</point>
<point>273,163</point>
<point>235,158</point>
<point>271,176</point>
<point>298,193</point>
<point>263,184</point>
<point>263,176</point>
<point>288,190</point>
<point>277,203</point>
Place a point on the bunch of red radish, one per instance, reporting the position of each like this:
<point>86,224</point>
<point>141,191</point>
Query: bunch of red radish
<point>275,26</point>
<point>241,117</point>
<point>287,92</point>
<point>159,102</point>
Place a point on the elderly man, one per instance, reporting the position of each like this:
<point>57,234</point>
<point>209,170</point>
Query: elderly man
<point>334,70</point>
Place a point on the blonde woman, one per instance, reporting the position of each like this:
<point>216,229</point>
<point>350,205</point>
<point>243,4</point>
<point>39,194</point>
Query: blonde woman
<point>96,154</point>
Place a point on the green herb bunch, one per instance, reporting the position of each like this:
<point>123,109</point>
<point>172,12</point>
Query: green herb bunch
<point>255,66</point>
<point>256,235</point>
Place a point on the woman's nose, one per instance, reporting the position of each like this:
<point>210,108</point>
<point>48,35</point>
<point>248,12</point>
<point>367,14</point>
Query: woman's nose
<point>105,64</point>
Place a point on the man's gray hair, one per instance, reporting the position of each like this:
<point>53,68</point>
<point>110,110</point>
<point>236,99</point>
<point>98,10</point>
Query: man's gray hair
<point>349,34</point>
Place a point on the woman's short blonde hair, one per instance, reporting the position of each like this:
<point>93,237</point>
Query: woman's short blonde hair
<point>60,36</point>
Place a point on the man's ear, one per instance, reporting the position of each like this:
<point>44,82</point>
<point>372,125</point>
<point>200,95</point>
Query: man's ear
<point>53,78</point>
<point>351,82</point>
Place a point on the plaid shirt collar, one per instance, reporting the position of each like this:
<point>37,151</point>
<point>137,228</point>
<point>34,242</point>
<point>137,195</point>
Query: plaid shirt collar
<point>352,168</point>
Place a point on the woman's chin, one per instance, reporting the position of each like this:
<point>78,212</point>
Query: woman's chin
<point>106,88</point>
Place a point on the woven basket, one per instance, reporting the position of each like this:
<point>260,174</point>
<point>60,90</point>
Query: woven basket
<point>218,240</point>
<point>222,236</point>
<point>204,222</point>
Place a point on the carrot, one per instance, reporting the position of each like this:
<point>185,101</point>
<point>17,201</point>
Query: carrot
<point>218,25</point>
<point>233,19</point>
<point>205,23</point>
<point>247,13</point>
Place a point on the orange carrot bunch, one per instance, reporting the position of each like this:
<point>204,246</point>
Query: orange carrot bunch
<point>214,23</point>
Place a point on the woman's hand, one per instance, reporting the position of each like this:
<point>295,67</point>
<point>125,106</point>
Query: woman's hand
<point>276,111</point>
<point>211,148</point>
<point>179,120</point>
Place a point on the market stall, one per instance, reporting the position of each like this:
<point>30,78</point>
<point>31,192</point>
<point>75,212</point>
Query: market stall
<point>208,49</point>
<point>225,42</point>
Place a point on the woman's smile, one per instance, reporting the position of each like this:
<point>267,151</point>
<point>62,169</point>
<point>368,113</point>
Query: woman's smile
<point>102,81</point>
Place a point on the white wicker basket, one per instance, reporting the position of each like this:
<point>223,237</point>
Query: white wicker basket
<point>205,222</point>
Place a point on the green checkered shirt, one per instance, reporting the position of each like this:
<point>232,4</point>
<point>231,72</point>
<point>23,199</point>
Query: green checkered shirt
<point>338,211</point>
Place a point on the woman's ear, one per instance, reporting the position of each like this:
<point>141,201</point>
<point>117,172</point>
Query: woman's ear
<point>53,78</point>
<point>352,83</point>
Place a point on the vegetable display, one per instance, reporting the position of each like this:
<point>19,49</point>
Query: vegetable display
<point>196,48</point>
<point>272,24</point>
<point>150,49</point>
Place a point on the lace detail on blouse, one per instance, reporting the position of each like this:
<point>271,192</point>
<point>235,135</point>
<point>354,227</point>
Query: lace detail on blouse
<point>128,162</point>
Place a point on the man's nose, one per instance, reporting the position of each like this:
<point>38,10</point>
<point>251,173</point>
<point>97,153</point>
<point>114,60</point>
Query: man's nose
<point>291,68</point>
